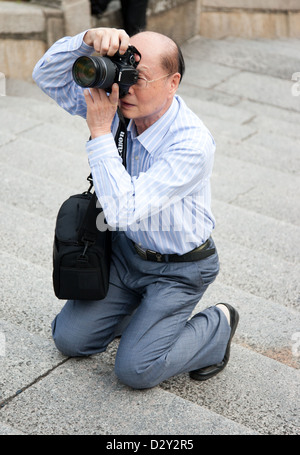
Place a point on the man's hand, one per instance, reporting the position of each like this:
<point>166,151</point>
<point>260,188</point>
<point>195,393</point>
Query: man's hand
<point>107,41</point>
<point>101,109</point>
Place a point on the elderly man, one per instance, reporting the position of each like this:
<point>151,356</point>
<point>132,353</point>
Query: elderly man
<point>163,256</point>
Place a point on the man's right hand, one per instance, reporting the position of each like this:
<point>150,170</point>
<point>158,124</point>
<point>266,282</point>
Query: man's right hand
<point>107,41</point>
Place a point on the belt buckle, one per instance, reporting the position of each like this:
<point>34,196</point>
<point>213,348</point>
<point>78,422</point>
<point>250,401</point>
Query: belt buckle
<point>141,251</point>
<point>146,254</point>
<point>158,256</point>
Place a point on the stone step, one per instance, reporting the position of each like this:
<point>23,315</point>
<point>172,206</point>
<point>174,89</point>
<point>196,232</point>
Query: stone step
<point>42,111</point>
<point>266,326</point>
<point>7,430</point>
<point>246,133</point>
<point>27,297</point>
<point>29,236</point>
<point>259,273</point>
<point>35,194</point>
<point>261,88</point>
<point>27,357</point>
<point>273,237</point>
<point>253,390</point>
<point>262,190</point>
<point>49,163</point>
<point>26,92</point>
<point>96,403</point>
<point>21,115</point>
<point>277,58</point>
<point>255,395</point>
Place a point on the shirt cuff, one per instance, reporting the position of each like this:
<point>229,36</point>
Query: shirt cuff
<point>76,44</point>
<point>101,148</point>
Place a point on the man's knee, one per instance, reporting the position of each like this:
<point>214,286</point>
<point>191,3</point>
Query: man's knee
<point>132,372</point>
<point>66,342</point>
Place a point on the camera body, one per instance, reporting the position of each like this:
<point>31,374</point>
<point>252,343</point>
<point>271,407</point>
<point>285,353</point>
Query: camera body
<point>102,72</point>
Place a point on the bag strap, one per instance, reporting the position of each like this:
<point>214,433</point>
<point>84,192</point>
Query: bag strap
<point>88,229</point>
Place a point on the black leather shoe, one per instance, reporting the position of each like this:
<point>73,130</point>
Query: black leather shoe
<point>208,372</point>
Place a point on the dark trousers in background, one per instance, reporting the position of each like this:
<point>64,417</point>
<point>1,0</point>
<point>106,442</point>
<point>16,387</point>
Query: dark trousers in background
<point>133,13</point>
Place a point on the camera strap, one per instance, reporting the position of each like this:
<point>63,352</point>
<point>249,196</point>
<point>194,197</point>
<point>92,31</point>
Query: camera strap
<point>121,137</point>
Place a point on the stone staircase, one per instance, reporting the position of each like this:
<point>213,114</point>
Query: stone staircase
<point>242,91</point>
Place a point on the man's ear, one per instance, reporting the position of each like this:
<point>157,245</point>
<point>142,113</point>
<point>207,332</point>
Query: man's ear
<point>175,80</point>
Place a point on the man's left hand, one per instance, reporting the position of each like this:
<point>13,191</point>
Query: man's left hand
<point>101,109</point>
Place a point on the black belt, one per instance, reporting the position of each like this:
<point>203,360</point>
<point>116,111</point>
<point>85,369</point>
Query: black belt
<point>203,251</point>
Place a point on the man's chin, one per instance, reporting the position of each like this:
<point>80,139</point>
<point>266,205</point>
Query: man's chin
<point>127,110</point>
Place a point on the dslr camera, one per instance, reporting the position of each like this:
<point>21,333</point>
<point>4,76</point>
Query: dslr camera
<point>102,72</point>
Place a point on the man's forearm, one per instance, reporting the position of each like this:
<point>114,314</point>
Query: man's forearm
<point>53,73</point>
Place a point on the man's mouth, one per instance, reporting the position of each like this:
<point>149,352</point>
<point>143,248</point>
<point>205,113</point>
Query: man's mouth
<point>125,104</point>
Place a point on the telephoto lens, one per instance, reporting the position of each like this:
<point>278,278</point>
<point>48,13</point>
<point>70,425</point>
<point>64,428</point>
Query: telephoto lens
<point>102,72</point>
<point>94,72</point>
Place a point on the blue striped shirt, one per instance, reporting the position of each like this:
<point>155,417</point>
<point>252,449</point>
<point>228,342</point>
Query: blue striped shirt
<point>162,199</point>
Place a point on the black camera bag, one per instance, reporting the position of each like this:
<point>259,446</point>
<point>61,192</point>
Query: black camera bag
<point>81,252</point>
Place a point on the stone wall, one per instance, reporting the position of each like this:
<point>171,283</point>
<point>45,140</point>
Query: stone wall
<point>250,18</point>
<point>27,29</point>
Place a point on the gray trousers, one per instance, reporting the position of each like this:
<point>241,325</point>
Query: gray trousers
<point>160,339</point>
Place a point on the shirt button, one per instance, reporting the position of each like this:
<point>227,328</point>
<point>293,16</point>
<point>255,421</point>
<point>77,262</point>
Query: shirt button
<point>136,157</point>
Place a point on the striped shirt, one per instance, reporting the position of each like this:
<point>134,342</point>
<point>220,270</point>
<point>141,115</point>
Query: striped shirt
<point>162,199</point>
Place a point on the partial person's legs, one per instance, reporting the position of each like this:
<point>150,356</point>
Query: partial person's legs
<point>134,15</point>
<point>98,6</point>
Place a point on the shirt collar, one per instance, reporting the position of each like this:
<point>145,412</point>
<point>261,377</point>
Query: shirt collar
<point>151,138</point>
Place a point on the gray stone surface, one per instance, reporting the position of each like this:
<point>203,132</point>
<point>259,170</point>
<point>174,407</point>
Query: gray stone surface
<point>257,188</point>
<point>250,228</point>
<point>258,56</point>
<point>6,430</point>
<point>242,90</point>
<point>242,400</point>
<point>266,326</point>
<point>262,89</point>
<point>28,356</point>
<point>94,402</point>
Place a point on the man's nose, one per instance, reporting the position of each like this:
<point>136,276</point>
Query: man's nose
<point>131,90</point>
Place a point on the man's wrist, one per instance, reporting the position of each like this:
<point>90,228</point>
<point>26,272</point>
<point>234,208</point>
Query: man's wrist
<point>99,132</point>
<point>87,38</point>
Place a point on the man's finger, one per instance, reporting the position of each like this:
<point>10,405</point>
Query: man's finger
<point>114,96</point>
<point>87,95</point>
<point>124,41</point>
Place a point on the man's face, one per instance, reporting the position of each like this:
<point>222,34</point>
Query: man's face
<point>146,105</point>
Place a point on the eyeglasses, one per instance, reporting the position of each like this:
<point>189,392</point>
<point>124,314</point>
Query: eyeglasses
<point>142,82</point>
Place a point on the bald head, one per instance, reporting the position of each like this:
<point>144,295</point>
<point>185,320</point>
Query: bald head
<point>167,51</point>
